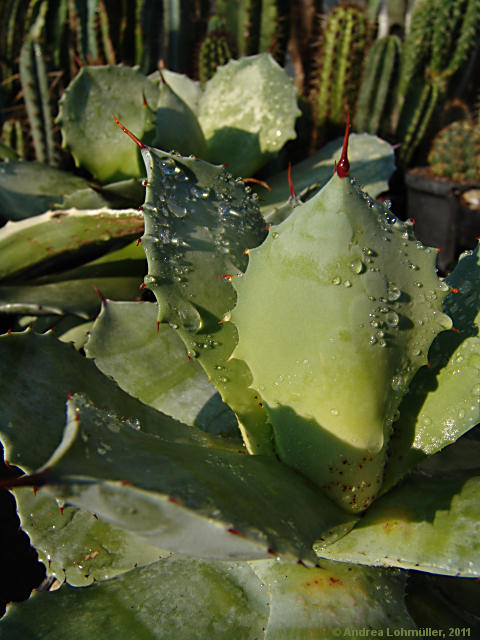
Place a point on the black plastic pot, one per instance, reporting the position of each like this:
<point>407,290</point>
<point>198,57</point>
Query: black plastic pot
<point>442,217</point>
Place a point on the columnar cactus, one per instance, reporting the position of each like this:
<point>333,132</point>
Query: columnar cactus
<point>344,42</point>
<point>442,37</point>
<point>378,88</point>
<point>214,52</point>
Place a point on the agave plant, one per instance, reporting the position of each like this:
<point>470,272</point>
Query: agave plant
<point>262,451</point>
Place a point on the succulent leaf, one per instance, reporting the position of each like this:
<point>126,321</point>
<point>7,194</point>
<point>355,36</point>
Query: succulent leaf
<point>208,501</point>
<point>56,238</point>
<point>444,399</point>
<point>309,603</point>
<point>88,129</point>
<point>30,188</point>
<point>372,162</point>
<point>125,336</point>
<point>335,314</point>
<point>423,524</point>
<point>198,223</point>
<point>187,597</point>
<point>187,89</point>
<point>177,126</point>
<point>75,545</point>
<point>116,275</point>
<point>63,371</point>
<point>250,127</point>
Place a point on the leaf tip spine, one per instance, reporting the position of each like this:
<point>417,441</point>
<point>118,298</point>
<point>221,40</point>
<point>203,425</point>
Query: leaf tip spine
<point>342,167</point>
<point>138,142</point>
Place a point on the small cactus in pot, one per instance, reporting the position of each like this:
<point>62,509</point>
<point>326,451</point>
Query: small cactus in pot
<point>455,152</point>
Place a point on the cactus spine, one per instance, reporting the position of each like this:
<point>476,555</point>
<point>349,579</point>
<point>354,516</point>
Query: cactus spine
<point>378,88</point>
<point>442,36</point>
<point>344,40</point>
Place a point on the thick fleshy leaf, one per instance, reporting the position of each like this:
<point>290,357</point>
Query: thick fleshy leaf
<point>30,188</point>
<point>75,545</point>
<point>117,275</point>
<point>247,112</point>
<point>67,328</point>
<point>88,127</point>
<point>444,399</point>
<point>427,523</point>
<point>199,221</point>
<point>187,89</point>
<point>333,326</point>
<point>125,336</point>
<point>179,598</point>
<point>55,238</point>
<point>372,162</point>
<point>46,371</point>
<point>186,598</point>
<point>207,501</point>
<point>328,601</point>
<point>125,194</point>
<point>177,126</point>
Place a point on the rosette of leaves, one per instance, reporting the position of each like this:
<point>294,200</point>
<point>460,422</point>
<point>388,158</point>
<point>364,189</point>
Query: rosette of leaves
<point>187,526</point>
<point>175,113</point>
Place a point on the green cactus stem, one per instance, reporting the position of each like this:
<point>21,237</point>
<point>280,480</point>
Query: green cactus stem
<point>275,28</point>
<point>33,76</point>
<point>12,137</point>
<point>443,36</point>
<point>344,41</point>
<point>335,313</point>
<point>378,88</point>
<point>242,22</point>
<point>214,52</point>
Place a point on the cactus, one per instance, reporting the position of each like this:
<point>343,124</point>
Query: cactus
<point>35,90</point>
<point>275,28</point>
<point>344,42</point>
<point>378,87</point>
<point>441,39</point>
<point>242,22</point>
<point>455,152</point>
<point>214,52</point>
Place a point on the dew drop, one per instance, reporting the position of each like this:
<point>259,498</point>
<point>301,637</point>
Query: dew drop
<point>357,266</point>
<point>393,293</point>
<point>347,283</point>
<point>334,412</point>
<point>397,383</point>
<point>336,280</point>
<point>476,390</point>
<point>392,319</point>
